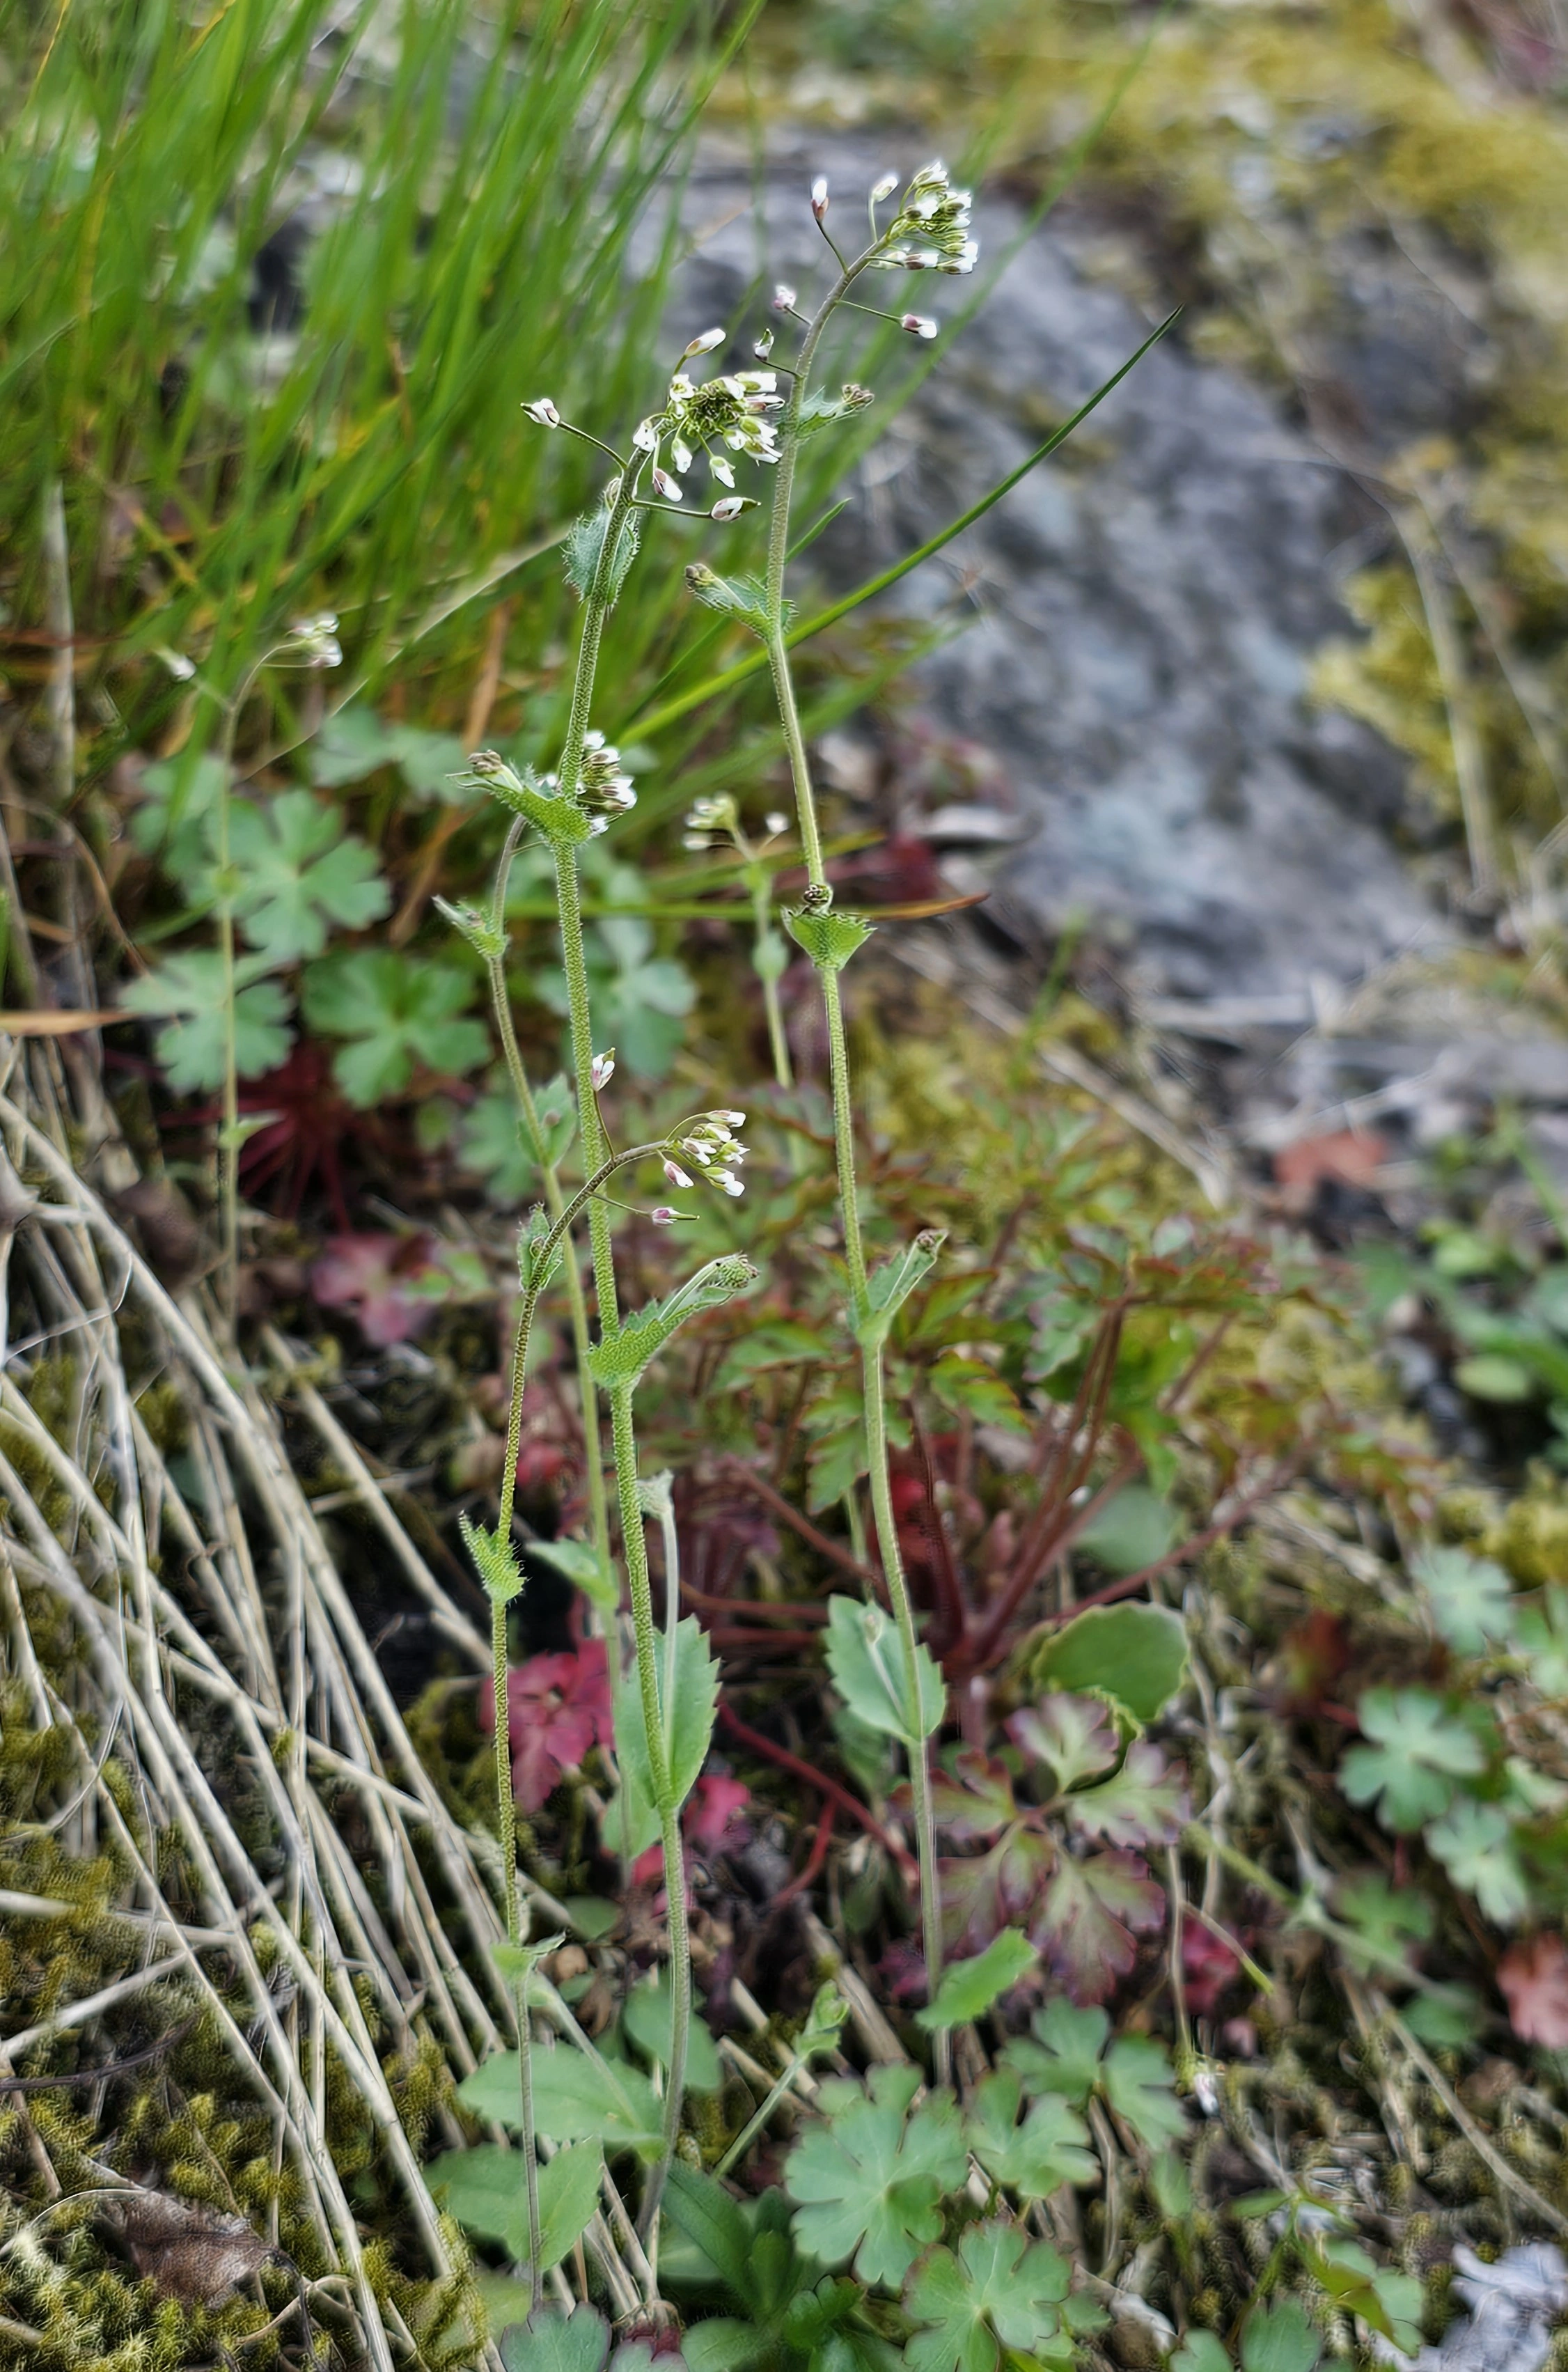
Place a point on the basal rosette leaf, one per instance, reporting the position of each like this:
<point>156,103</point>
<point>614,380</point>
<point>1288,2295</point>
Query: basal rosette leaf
<point>1144,1803</point>
<point>1414,1752</point>
<point>1088,1916</point>
<point>999,2290</point>
<point>1071,1736</point>
<point>1036,2157</point>
<point>976,1799</point>
<point>968,1988</point>
<point>867,2184</point>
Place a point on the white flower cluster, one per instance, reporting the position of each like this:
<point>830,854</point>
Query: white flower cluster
<point>930,232</point>
<point>719,816</point>
<point>702,414</point>
<point>709,1141</point>
<point>310,643</point>
<point>604,787</point>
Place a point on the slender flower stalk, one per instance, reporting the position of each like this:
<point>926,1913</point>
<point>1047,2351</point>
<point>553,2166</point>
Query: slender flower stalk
<point>938,216</point>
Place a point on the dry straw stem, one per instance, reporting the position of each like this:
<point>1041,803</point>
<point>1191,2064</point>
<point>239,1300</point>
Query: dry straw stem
<point>227,1593</point>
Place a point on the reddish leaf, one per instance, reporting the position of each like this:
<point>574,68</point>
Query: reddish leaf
<point>1348,1157</point>
<point>1000,1889</point>
<point>1073,1737</point>
<point>1533,1974</point>
<point>557,1707</point>
<point>1144,1803</point>
<point>977,1801</point>
<point>1209,1968</point>
<point>1088,1917</point>
<point>711,1817</point>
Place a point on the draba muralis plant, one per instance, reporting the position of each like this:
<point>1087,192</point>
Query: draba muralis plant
<point>664,1708</point>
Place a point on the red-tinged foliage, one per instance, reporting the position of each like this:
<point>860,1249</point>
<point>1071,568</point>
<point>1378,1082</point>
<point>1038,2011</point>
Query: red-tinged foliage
<point>1209,1968</point>
<point>1533,1977</point>
<point>1082,1909</point>
<point>557,1707</point>
<point>373,1277</point>
<point>1312,1659</point>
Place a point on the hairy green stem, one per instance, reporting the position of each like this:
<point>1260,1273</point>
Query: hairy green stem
<point>633,1545</point>
<point>654,1716</point>
<point>874,1387</point>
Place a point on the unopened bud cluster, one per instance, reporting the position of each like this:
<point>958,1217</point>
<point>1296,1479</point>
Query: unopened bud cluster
<point>930,232</point>
<point>310,643</point>
<point>708,1141</point>
<point>706,415</point>
<point>604,787</point>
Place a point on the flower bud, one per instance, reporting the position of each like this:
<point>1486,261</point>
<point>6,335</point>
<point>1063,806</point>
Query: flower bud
<point>919,325</point>
<point>726,1182</point>
<point>733,1119</point>
<point>704,344</point>
<point>820,196</point>
<point>602,1070</point>
<point>644,437</point>
<point>776,822</point>
<point>784,297</point>
<point>730,508</point>
<point>544,411</point>
<point>885,188</point>
<point>664,1217</point>
<point>721,469</point>
<point>674,1172</point>
<point>763,346</point>
<point>670,488</point>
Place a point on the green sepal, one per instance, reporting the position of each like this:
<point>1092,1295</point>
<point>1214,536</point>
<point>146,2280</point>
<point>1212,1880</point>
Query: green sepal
<point>517,1962</point>
<point>584,548</point>
<point>829,939</point>
<point>889,1285</point>
<point>563,822</point>
<point>739,597</point>
<point>821,409</point>
<point>535,1265</point>
<point>478,929</point>
<point>623,1358</point>
<point>495,1561</point>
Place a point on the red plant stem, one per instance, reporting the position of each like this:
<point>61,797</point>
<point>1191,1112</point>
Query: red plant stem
<point>766,1608</point>
<point>1179,1555</point>
<point>827,1789</point>
<point>952,1613</point>
<point>739,1471</point>
<point>804,1880</point>
<point>988,1644</point>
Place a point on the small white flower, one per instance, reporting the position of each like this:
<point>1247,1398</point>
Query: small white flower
<point>820,196</point>
<point>644,437</point>
<point>763,346</point>
<point>784,297</point>
<point>312,643</point>
<point>544,411</point>
<point>670,488</point>
<point>680,453</point>
<point>701,1154</point>
<point>602,1070</point>
<point>726,1182</point>
<point>885,188</point>
<point>695,839</point>
<point>919,325</point>
<point>676,1175</point>
<point>723,471</point>
<point>733,1119</point>
<point>664,1217</point>
<point>775,823</point>
<point>730,508</point>
<point>704,344</point>
<point>179,666</point>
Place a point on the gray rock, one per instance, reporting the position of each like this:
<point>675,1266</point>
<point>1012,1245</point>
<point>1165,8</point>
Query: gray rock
<point>1144,613</point>
<point>1514,2305</point>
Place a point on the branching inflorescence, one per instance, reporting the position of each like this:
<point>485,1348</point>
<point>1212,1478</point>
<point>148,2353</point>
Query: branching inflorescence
<point>663,1708</point>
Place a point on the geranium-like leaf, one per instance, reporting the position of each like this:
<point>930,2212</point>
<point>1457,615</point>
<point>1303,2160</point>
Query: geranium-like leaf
<point>1088,1916</point>
<point>1473,1601</point>
<point>1064,2053</point>
<point>1416,1751</point>
<point>869,2183</point>
<point>1000,1889</point>
<point>393,1010</point>
<point>186,992</point>
<point>1144,1803</point>
<point>977,1800</point>
<point>1475,1844</point>
<point>299,874</point>
<point>1002,2289</point>
<point>1070,1735</point>
<point>867,1659</point>
<point>1033,2158</point>
<point>1139,2086</point>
